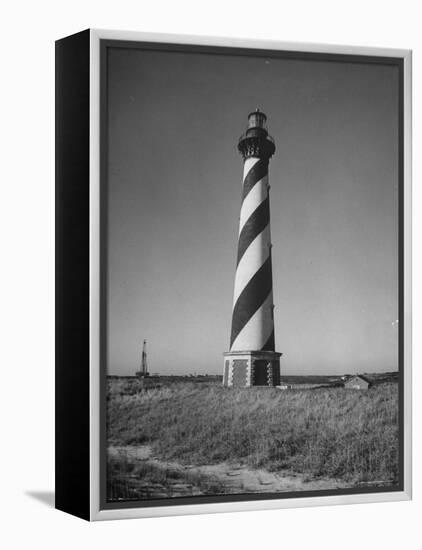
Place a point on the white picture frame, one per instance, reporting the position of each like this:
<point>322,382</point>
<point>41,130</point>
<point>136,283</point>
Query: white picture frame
<point>96,509</point>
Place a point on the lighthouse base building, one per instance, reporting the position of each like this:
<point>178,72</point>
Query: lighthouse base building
<point>251,368</point>
<point>252,359</point>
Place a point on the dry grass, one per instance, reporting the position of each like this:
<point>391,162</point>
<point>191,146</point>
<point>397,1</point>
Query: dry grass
<point>330,432</point>
<point>133,480</point>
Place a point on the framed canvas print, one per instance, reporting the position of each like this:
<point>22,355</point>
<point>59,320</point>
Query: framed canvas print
<point>216,351</point>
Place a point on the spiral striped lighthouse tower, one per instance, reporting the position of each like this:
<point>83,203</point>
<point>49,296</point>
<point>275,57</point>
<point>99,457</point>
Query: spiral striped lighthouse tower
<point>252,359</point>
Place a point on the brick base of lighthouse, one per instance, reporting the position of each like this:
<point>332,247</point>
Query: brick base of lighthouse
<point>243,369</point>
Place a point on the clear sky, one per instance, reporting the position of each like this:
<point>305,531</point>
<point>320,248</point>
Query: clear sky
<point>175,180</point>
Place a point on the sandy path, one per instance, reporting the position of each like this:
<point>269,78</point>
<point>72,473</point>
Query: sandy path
<point>237,478</point>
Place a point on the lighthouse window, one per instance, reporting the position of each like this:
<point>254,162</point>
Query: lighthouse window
<point>257,120</point>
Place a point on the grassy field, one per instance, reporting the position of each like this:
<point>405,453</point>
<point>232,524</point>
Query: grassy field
<point>133,480</point>
<point>330,432</point>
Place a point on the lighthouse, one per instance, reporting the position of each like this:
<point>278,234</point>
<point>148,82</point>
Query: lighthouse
<point>252,359</point>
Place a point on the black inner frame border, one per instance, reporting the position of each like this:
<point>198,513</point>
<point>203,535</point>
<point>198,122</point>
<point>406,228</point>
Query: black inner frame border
<point>105,45</point>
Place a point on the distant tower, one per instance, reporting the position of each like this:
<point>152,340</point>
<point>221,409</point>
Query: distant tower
<point>144,359</point>
<point>144,366</point>
<point>252,360</point>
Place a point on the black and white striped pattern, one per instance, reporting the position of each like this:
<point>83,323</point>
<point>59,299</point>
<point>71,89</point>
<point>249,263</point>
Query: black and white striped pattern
<point>252,319</point>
